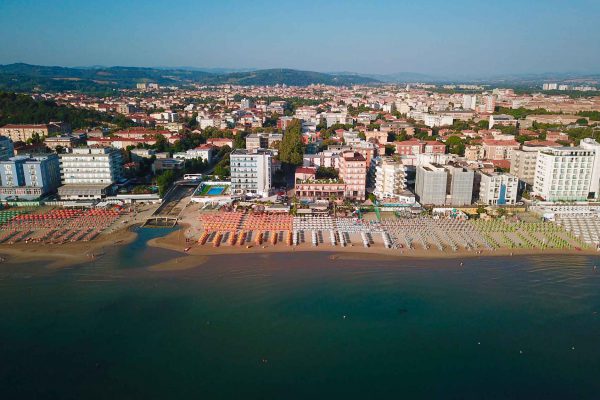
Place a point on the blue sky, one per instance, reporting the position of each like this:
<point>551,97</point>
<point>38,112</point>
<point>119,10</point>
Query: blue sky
<point>460,37</point>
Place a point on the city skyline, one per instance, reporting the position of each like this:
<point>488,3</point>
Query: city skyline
<point>445,40</point>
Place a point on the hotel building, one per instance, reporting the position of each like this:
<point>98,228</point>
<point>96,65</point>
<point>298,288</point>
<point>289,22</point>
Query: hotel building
<point>353,171</point>
<point>497,188</point>
<point>28,177</point>
<point>564,173</point>
<point>391,178</point>
<point>251,172</point>
<point>430,184</point>
<point>591,144</point>
<point>89,172</point>
<point>444,185</point>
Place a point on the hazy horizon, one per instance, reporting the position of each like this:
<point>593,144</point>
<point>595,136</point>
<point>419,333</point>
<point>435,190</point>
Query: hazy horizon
<point>218,69</point>
<point>442,39</point>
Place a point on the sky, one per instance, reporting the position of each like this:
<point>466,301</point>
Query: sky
<point>437,37</point>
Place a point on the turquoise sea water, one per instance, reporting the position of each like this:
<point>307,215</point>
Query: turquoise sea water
<point>286,326</point>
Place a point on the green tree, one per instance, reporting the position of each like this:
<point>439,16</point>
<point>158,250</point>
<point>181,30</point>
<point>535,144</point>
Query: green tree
<point>162,144</point>
<point>291,148</point>
<point>326,173</point>
<point>165,180</point>
<point>22,109</point>
<point>483,124</point>
<point>239,142</point>
<point>455,145</point>
<point>592,115</point>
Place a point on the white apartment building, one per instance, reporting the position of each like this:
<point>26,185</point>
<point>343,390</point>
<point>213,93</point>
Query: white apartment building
<point>502,119</point>
<point>251,172</point>
<point>459,187</point>
<point>564,173</point>
<point>390,178</point>
<point>469,101</point>
<point>245,104</point>
<point>444,185</point>
<point>523,163</point>
<point>306,113</point>
<point>432,120</point>
<point>332,118</point>
<point>430,184</point>
<point>89,172</point>
<point>205,122</point>
<point>497,188</point>
<point>203,152</point>
<point>591,144</point>
<point>329,158</point>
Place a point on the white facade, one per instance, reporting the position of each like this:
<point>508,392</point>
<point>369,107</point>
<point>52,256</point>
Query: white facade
<point>459,189</point>
<point>469,101</point>
<point>390,178</point>
<point>523,163</point>
<point>564,174</point>
<point>591,144</point>
<point>205,122</point>
<point>502,119</point>
<point>251,172</point>
<point>432,120</point>
<point>245,103</point>
<point>90,166</point>
<point>498,188</point>
<point>550,86</point>
<point>336,118</point>
<point>201,152</point>
<point>430,184</point>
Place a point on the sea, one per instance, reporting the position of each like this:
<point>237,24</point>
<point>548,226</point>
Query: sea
<point>306,325</point>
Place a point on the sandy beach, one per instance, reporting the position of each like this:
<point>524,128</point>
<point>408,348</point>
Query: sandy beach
<point>64,255</point>
<point>176,241</point>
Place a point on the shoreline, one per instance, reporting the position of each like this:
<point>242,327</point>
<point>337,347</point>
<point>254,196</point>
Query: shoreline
<point>172,242</point>
<point>70,254</point>
<point>67,254</point>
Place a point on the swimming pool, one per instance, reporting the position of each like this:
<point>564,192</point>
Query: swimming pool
<point>215,191</point>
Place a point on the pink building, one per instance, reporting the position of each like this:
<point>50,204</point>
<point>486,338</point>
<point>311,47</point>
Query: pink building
<point>554,136</point>
<point>499,149</point>
<point>317,190</point>
<point>434,147</point>
<point>416,146</point>
<point>220,142</point>
<point>378,136</point>
<point>305,173</point>
<point>353,171</point>
<point>408,147</point>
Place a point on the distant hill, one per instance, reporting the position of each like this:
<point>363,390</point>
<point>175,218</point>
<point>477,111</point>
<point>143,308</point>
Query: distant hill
<point>22,109</point>
<point>408,77</point>
<point>26,77</point>
<point>289,77</point>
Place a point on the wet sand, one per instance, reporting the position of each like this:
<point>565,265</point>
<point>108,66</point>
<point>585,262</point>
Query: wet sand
<point>66,254</point>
